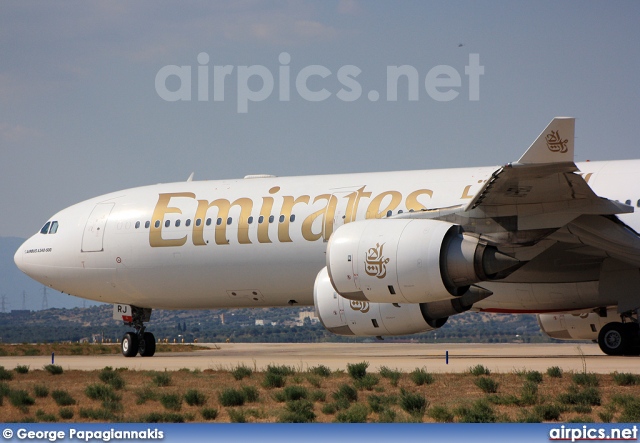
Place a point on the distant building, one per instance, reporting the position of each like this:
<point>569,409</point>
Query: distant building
<point>311,315</point>
<point>259,322</point>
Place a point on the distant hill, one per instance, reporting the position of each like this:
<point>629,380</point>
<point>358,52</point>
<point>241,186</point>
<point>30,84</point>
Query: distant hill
<point>13,283</point>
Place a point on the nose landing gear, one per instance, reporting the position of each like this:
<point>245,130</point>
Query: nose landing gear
<point>138,342</point>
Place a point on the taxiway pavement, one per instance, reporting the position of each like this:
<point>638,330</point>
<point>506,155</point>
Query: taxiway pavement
<point>501,358</point>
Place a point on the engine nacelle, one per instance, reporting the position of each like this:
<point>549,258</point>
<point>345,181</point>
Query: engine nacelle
<point>362,318</point>
<point>409,261</point>
<point>584,326</point>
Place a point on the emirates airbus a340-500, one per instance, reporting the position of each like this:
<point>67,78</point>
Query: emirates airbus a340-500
<point>377,254</point>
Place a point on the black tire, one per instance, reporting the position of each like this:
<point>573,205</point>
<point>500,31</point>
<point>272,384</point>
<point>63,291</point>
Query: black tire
<point>614,339</point>
<point>147,346</point>
<point>129,344</point>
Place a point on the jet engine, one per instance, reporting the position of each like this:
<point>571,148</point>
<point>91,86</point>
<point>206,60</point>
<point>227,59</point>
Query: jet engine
<point>409,261</point>
<point>363,318</point>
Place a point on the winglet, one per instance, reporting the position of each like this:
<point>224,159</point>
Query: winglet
<point>554,144</point>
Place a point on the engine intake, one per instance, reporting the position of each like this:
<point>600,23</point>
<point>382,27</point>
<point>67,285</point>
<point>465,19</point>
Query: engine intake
<point>409,261</point>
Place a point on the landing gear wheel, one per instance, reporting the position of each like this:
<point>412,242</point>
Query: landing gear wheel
<point>613,339</point>
<point>147,345</point>
<point>129,344</point>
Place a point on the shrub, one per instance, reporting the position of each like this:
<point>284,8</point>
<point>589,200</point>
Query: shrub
<point>574,396</point>
<point>440,414</point>
<point>162,379</point>
<point>241,372</point>
<point>329,409</point>
<point>282,370</point>
<point>625,379</point>
<point>40,391</point>
<point>66,413</point>
<point>533,376</point>
<point>237,415</point>
<point>421,377</point>
<point>487,385</point>
<point>630,408</point>
<point>21,399</point>
<point>298,411</point>
<point>291,393</point>
<point>112,378</point>
<point>555,372</point>
<point>314,381</point>
<point>317,396</point>
<point>231,397</point>
<point>347,393</point>
<point>413,403</point>
<point>22,369</point>
<point>479,370</point>
<point>172,402</point>
<point>62,398</point>
<point>355,414</point>
<point>42,416</point>
<point>320,370</point>
<point>53,369</point>
<point>166,417</point>
<point>273,380</point>
<point>100,415</point>
<point>585,379</point>
<point>479,412</point>
<point>387,416</point>
<point>145,394</point>
<point>5,375</point>
<point>193,397</point>
<point>367,382</point>
<point>104,393</point>
<point>529,394</point>
<point>378,403</point>
<point>393,375</point>
<point>357,370</point>
<point>209,413</point>
<point>251,394</point>
<point>548,412</point>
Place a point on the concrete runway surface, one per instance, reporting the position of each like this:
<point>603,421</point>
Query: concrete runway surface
<point>502,358</point>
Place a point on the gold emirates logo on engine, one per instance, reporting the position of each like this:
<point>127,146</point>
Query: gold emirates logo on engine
<point>555,142</point>
<point>376,264</point>
<point>361,306</point>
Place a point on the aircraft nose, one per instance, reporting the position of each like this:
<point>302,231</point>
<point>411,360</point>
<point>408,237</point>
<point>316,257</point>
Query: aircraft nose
<point>18,257</point>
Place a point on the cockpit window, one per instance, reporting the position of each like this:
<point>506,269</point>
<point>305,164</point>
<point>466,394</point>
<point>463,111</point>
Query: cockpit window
<point>54,227</point>
<point>45,228</point>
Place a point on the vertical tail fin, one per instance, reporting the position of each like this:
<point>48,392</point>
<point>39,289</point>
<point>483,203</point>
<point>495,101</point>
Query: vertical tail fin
<point>554,144</point>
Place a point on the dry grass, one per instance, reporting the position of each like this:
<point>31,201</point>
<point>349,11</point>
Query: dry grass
<point>448,391</point>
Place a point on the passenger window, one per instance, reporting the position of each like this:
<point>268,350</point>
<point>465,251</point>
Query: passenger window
<point>219,221</point>
<point>628,202</point>
<point>250,219</point>
<point>137,224</point>
<point>208,223</point>
<point>198,222</point>
<point>389,213</point>
<point>45,228</point>
<point>271,218</point>
<point>147,224</point>
<point>54,227</point>
<point>229,220</point>
<point>281,219</point>
<point>292,218</point>
<point>167,223</point>
<point>157,224</point>
<point>177,223</point>
<point>260,219</point>
<point>400,211</point>
<point>188,222</point>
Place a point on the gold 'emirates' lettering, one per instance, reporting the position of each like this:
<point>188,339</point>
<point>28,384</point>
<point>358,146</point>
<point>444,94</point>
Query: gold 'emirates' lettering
<point>322,219</point>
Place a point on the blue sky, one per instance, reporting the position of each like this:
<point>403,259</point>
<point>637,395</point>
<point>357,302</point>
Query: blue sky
<point>80,114</point>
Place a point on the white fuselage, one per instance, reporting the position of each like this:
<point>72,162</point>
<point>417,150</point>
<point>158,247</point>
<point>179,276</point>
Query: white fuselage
<point>261,242</point>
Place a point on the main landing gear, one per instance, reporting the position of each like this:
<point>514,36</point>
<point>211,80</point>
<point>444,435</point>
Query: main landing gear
<point>621,338</point>
<point>138,342</point>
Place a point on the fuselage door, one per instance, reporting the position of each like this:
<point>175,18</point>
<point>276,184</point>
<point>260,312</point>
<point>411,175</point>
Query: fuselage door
<point>92,239</point>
